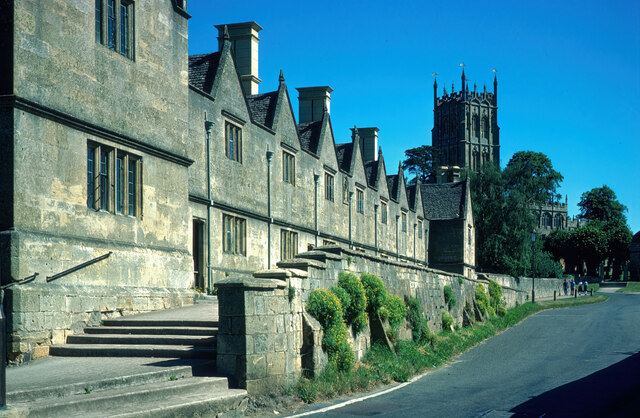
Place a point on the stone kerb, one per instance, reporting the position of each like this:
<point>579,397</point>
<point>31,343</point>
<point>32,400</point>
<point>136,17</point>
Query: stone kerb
<point>260,330</point>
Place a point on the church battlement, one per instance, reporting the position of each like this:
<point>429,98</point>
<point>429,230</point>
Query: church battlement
<point>465,125</point>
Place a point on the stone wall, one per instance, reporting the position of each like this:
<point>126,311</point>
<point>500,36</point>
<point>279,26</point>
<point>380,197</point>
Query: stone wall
<point>41,314</point>
<point>263,321</point>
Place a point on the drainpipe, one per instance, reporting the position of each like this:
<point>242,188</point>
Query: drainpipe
<point>269,155</point>
<point>414,242</point>
<point>350,200</point>
<point>208,125</point>
<point>375,223</point>
<point>426,247</point>
<point>316,178</point>
<point>397,242</point>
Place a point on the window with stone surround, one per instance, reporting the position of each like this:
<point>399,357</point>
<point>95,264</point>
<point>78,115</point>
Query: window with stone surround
<point>288,168</point>
<point>288,244</point>
<point>419,229</point>
<point>233,142</point>
<point>383,211</point>
<point>404,221</point>
<point>328,187</point>
<point>234,235</point>
<point>360,200</point>
<point>114,180</point>
<point>114,25</point>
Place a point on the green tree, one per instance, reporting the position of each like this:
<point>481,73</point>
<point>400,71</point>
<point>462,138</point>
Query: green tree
<point>531,175</point>
<point>601,203</point>
<point>422,162</point>
<point>559,243</point>
<point>503,217</point>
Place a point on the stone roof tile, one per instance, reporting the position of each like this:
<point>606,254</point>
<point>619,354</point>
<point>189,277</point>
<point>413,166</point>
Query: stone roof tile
<point>443,201</point>
<point>310,135</point>
<point>202,70</point>
<point>263,108</point>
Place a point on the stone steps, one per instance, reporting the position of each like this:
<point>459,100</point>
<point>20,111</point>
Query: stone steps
<point>143,339</point>
<point>147,330</point>
<point>132,350</point>
<point>173,392</point>
<point>144,322</point>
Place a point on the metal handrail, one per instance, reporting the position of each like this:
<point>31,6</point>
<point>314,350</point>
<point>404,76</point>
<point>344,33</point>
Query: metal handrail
<point>78,267</point>
<point>22,281</point>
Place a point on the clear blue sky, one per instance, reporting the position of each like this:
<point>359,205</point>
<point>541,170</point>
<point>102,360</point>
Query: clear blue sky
<point>568,73</point>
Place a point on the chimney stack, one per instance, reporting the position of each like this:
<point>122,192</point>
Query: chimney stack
<point>244,44</point>
<point>312,102</point>
<point>369,143</point>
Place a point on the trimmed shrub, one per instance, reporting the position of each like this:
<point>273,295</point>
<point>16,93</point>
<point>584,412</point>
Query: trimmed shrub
<point>419,327</point>
<point>501,310</point>
<point>482,300</point>
<point>324,306</point>
<point>394,311</point>
<point>495,293</point>
<point>355,314</point>
<point>447,320</point>
<point>374,291</point>
<point>449,297</point>
<point>343,296</point>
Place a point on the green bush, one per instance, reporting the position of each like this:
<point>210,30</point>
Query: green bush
<point>343,296</point>
<point>501,310</point>
<point>355,314</point>
<point>449,297</point>
<point>447,320</point>
<point>324,306</point>
<point>375,292</point>
<point>307,390</point>
<point>394,311</point>
<point>419,327</point>
<point>482,300</point>
<point>495,293</point>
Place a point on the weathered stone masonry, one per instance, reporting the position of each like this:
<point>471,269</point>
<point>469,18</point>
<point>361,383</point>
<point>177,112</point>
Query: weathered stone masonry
<point>260,325</point>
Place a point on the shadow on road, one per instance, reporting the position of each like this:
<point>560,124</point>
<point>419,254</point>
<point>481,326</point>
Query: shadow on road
<point>609,392</point>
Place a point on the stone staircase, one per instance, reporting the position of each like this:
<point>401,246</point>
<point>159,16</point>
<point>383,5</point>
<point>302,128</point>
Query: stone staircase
<point>178,347</point>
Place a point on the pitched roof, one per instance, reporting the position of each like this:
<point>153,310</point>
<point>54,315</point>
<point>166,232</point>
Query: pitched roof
<point>344,153</point>
<point>202,70</point>
<point>411,196</point>
<point>371,170</point>
<point>310,135</point>
<point>443,201</point>
<point>263,107</point>
<point>392,184</point>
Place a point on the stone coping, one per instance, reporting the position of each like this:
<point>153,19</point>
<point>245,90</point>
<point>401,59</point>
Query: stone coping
<point>251,283</point>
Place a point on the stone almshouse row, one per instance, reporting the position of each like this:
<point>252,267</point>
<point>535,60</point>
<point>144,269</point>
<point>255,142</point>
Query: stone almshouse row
<point>115,141</point>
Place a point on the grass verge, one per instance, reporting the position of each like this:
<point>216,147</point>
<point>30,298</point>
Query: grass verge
<point>381,366</point>
<point>631,287</point>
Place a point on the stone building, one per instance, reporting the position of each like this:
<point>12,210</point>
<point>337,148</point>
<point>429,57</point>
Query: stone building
<point>167,172</point>
<point>465,125</point>
<point>553,215</point>
<point>447,206</point>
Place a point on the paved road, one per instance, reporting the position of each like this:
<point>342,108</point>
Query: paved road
<point>582,361</point>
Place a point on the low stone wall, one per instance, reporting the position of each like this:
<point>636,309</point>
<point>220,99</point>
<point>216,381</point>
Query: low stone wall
<point>544,287</point>
<point>266,339</point>
<point>42,314</point>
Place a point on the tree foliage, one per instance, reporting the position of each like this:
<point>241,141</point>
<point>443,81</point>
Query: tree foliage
<point>503,217</point>
<point>601,204</point>
<point>422,162</point>
<point>606,236</point>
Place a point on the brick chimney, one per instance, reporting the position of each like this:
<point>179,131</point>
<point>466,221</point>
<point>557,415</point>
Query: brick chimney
<point>369,143</point>
<point>312,102</point>
<point>244,45</point>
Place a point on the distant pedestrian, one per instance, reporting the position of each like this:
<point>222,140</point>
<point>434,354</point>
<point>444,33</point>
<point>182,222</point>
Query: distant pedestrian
<point>565,287</point>
<point>586,287</point>
<point>573,285</point>
<point>580,288</point>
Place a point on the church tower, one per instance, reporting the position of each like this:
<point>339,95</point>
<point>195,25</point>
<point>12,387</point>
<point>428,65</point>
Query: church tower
<point>465,125</point>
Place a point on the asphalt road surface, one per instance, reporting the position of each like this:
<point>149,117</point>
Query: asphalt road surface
<point>581,361</point>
